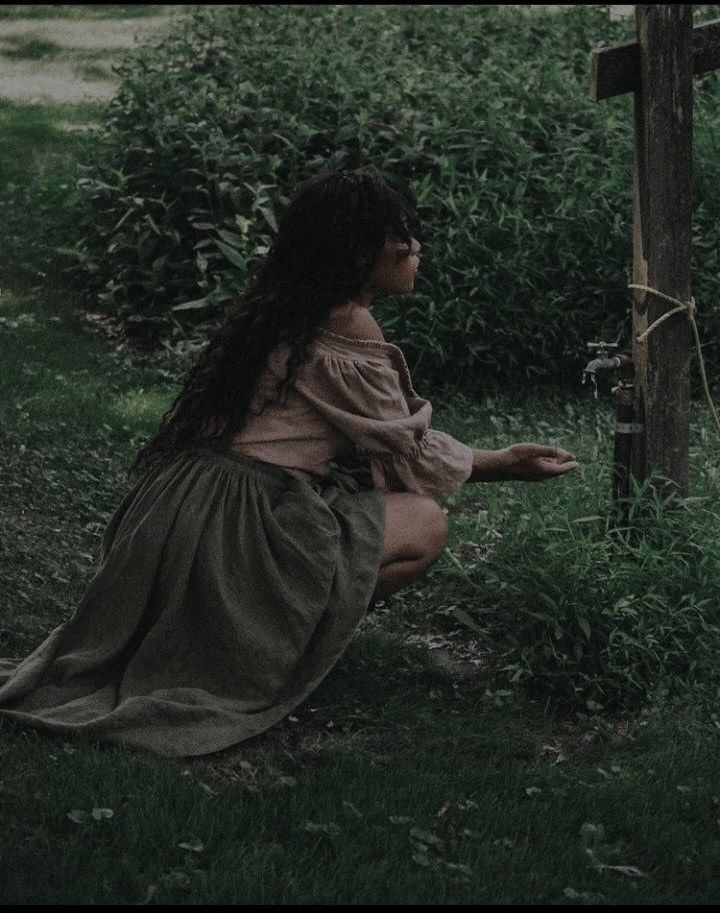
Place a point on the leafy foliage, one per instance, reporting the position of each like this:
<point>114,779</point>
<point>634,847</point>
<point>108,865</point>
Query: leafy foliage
<point>608,624</point>
<point>481,113</point>
<point>596,617</point>
<point>397,782</point>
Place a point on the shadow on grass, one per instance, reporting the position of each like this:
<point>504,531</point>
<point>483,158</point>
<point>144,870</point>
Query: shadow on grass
<point>38,174</point>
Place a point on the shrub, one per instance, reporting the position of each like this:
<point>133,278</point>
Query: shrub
<point>480,113</point>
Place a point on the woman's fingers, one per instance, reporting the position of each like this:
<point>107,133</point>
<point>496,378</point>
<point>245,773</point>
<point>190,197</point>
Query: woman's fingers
<point>560,461</point>
<point>555,461</point>
<point>559,467</point>
<point>559,454</point>
<point>553,453</point>
<point>535,462</point>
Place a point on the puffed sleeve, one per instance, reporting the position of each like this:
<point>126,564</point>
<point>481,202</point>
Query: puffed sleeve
<point>370,400</point>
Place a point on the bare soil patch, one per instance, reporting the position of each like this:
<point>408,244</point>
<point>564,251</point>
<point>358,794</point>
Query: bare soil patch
<point>88,35</point>
<point>36,81</point>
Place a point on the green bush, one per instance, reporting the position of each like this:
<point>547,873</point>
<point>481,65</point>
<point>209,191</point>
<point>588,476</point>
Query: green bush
<point>480,113</point>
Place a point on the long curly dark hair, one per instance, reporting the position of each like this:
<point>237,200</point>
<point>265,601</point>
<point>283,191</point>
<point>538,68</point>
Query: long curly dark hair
<point>329,239</point>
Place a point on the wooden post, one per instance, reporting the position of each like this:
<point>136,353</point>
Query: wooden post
<point>662,218</point>
<point>658,67</point>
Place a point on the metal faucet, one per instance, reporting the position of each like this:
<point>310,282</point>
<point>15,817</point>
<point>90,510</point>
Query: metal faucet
<point>628,431</point>
<point>603,361</point>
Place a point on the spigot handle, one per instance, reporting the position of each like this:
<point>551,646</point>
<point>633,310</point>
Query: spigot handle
<point>602,345</point>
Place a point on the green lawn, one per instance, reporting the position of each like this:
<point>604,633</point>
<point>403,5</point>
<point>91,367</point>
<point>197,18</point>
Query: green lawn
<point>417,772</point>
<point>399,780</point>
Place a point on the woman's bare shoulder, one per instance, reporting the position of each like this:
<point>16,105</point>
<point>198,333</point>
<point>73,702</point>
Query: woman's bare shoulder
<point>356,323</point>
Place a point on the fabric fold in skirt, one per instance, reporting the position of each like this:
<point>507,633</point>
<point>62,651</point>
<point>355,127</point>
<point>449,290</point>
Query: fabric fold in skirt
<point>227,590</point>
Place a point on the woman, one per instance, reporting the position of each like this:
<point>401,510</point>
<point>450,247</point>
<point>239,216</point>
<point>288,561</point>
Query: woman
<point>293,481</point>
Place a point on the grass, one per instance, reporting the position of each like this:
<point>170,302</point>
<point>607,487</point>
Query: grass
<point>31,49</point>
<point>92,71</point>
<point>38,174</point>
<point>470,812</point>
<point>398,781</point>
<point>86,64</point>
<point>32,143</point>
<point>412,775</point>
<point>40,146</point>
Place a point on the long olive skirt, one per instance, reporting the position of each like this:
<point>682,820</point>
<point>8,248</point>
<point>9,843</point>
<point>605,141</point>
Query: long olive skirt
<point>227,590</point>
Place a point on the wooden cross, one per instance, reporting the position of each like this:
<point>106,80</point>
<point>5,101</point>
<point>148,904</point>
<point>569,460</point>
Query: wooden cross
<point>658,67</point>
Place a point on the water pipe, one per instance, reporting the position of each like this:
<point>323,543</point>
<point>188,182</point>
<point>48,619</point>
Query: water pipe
<point>625,422</point>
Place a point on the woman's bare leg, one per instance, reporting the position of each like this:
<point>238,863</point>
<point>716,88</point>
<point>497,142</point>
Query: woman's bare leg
<point>416,533</point>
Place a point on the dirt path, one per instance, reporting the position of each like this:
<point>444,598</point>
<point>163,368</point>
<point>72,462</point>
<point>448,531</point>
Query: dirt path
<point>59,80</point>
<point>87,34</point>
<point>99,40</point>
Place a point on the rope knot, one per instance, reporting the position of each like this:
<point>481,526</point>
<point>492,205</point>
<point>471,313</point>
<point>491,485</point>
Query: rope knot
<point>690,308</point>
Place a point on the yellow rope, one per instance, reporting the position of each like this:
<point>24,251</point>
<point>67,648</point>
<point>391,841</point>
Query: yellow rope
<point>691,310</point>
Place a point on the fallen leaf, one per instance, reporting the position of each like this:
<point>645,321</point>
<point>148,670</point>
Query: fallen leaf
<point>99,813</point>
<point>196,847</point>
<point>458,867</point>
<point>629,870</point>
<point>425,837</point>
<point>331,829</point>
<point>352,808</point>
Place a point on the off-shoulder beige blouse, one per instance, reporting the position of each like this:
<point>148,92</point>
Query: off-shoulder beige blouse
<point>353,398</point>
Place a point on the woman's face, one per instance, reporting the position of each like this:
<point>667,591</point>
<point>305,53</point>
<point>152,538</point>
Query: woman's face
<point>395,271</point>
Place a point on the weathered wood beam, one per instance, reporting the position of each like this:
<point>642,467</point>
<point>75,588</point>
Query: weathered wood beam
<point>662,216</point>
<point>615,70</point>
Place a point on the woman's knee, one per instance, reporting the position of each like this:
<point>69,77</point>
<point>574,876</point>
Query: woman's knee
<point>437,531</point>
<point>416,529</point>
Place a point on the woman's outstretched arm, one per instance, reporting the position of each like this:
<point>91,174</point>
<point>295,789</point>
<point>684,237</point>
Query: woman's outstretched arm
<point>521,462</point>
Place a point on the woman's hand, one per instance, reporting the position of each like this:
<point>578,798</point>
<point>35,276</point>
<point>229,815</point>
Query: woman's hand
<point>535,462</point>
